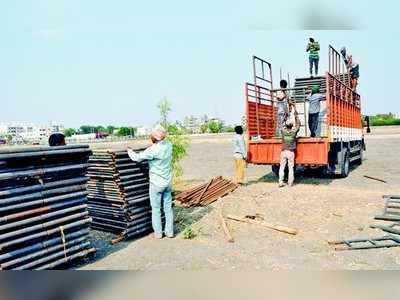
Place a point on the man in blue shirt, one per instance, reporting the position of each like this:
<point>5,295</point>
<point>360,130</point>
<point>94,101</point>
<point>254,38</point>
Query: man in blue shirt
<point>240,155</point>
<point>159,157</point>
<point>313,109</point>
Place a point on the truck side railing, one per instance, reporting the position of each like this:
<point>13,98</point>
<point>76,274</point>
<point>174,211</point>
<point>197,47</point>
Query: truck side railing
<point>261,108</point>
<point>343,106</point>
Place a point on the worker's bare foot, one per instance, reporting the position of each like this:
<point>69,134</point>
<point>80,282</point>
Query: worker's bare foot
<point>281,185</point>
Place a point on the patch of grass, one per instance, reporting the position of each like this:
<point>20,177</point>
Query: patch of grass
<point>384,121</point>
<point>188,233</point>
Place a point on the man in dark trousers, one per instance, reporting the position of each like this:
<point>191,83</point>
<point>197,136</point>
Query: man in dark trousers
<point>313,109</point>
<point>313,57</point>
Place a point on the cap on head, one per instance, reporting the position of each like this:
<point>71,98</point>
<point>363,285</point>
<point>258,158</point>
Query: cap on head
<point>311,40</point>
<point>158,133</point>
<point>315,89</point>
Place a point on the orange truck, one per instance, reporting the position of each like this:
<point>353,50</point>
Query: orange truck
<point>340,138</point>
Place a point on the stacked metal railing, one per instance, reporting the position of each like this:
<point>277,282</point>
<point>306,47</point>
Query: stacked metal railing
<point>119,194</point>
<point>44,221</point>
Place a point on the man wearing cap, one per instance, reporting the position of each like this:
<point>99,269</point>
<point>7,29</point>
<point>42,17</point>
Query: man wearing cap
<point>289,135</point>
<point>159,157</point>
<point>314,107</point>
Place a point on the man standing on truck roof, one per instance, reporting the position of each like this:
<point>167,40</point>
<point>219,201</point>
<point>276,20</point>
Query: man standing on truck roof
<point>313,57</point>
<point>313,109</point>
<point>289,136</point>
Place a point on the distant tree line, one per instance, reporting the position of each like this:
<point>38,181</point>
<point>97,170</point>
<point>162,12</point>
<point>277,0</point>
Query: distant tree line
<point>384,120</point>
<point>212,126</point>
<point>111,130</point>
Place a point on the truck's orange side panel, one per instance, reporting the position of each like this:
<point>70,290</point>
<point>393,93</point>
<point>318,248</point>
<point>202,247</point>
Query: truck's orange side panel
<point>266,119</point>
<point>310,151</point>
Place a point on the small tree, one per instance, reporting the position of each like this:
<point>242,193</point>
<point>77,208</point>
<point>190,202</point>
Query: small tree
<point>204,128</point>
<point>176,136</point>
<point>69,132</point>
<point>215,126</point>
<point>110,129</point>
<point>126,131</point>
<point>164,106</point>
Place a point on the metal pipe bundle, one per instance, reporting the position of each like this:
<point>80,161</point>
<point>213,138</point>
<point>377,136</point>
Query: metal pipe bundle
<point>44,220</point>
<point>118,197</point>
<point>206,193</point>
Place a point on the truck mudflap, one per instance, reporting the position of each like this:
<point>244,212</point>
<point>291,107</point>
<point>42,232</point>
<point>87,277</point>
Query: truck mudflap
<point>310,151</point>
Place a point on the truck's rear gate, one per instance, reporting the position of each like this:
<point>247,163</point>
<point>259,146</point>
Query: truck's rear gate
<point>310,151</point>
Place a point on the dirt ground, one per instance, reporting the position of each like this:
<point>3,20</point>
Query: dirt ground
<point>322,209</point>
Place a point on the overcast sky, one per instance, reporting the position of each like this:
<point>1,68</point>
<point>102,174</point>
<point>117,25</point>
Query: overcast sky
<point>110,62</point>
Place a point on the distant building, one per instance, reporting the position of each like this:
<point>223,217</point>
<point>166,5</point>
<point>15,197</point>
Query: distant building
<point>192,124</point>
<point>143,131</point>
<point>28,132</point>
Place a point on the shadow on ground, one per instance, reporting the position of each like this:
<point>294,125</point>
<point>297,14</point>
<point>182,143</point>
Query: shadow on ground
<point>304,176</point>
<point>186,216</point>
<point>102,242</point>
<point>183,217</point>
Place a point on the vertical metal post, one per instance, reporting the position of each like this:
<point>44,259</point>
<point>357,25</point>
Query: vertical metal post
<point>256,96</point>
<point>305,115</point>
<point>271,97</point>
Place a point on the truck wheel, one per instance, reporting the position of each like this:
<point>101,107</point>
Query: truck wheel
<point>275,170</point>
<point>345,165</point>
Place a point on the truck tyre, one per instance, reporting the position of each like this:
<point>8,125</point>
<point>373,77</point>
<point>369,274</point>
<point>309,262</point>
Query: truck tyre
<point>359,161</point>
<point>345,165</point>
<point>275,170</point>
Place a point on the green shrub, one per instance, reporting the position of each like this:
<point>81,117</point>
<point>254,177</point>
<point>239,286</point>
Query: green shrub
<point>383,121</point>
<point>188,233</point>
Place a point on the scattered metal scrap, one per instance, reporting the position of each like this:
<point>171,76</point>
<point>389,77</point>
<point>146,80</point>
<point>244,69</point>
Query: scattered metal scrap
<point>374,178</point>
<point>367,243</point>
<point>253,220</point>
<point>206,193</point>
<point>391,211</point>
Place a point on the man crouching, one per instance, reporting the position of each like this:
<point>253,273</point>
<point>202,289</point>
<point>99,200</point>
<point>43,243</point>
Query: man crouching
<point>289,136</point>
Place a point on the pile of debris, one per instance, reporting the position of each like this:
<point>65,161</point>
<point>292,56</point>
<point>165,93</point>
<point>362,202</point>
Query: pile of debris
<point>118,197</point>
<point>392,232</point>
<point>44,220</point>
<point>207,193</point>
<point>391,211</point>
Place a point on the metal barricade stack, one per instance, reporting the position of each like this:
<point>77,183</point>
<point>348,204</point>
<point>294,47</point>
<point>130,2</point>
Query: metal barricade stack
<point>44,220</point>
